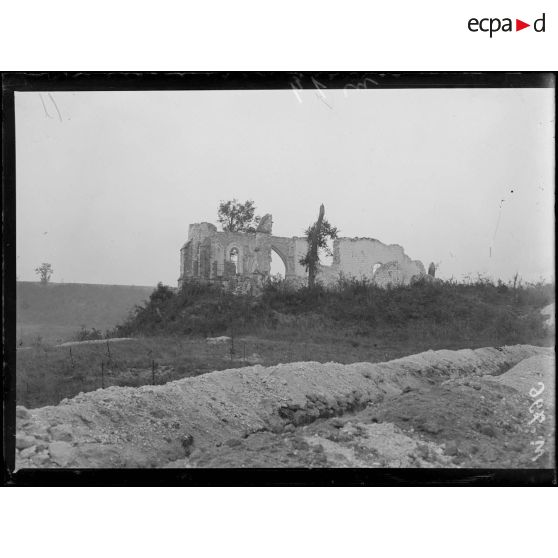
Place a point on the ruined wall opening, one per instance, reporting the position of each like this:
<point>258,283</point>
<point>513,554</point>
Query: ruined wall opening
<point>233,259</point>
<point>277,267</point>
<point>325,257</point>
<point>375,268</point>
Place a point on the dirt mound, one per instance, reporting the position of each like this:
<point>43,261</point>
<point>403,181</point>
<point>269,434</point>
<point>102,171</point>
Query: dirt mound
<point>465,421</point>
<point>529,372</point>
<point>96,341</point>
<point>325,443</point>
<point>154,426</point>
<point>549,312</point>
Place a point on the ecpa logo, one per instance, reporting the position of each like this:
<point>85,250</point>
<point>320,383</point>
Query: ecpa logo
<point>494,24</point>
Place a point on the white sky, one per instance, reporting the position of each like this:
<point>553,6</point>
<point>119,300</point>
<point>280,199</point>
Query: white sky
<point>108,182</point>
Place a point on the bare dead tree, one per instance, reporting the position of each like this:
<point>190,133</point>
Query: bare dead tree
<point>314,238</point>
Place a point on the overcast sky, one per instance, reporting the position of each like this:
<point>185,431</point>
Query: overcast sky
<point>108,182</point>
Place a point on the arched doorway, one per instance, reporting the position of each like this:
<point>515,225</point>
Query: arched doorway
<point>277,267</point>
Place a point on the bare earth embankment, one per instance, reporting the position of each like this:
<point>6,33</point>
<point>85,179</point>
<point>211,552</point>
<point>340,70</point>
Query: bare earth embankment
<point>466,408</point>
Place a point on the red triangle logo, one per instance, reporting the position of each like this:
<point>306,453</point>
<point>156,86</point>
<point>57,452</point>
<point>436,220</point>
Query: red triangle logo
<point>519,25</point>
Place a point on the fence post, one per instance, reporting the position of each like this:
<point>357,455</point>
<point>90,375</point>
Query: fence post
<point>71,358</point>
<point>102,374</point>
<point>108,350</point>
<point>153,372</point>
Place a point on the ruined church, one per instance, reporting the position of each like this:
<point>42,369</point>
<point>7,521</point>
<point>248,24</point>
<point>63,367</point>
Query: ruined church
<point>241,261</point>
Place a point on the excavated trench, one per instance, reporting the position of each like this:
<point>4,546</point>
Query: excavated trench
<point>172,424</point>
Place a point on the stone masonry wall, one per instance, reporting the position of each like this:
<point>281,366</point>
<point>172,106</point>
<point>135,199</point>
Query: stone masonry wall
<point>368,258</point>
<point>206,256</point>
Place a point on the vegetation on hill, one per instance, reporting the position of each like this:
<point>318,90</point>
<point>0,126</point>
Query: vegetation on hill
<point>443,312</point>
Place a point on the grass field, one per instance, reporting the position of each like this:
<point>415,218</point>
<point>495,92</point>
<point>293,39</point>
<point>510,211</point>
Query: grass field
<point>28,334</point>
<point>47,374</point>
<point>54,313</point>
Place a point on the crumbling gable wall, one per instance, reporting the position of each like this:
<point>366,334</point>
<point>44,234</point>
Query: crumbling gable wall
<point>368,258</point>
<point>207,253</point>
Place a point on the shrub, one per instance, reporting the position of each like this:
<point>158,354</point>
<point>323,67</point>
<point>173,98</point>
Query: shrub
<point>85,334</point>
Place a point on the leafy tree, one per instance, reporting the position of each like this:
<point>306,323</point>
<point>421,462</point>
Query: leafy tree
<point>317,236</point>
<point>238,217</point>
<point>44,271</point>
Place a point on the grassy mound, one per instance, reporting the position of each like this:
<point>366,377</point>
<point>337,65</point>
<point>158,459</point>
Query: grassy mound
<point>442,311</point>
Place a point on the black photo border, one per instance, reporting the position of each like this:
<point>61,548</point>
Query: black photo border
<point>152,81</point>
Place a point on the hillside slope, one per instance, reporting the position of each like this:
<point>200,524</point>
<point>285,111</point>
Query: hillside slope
<point>429,314</point>
<point>64,307</point>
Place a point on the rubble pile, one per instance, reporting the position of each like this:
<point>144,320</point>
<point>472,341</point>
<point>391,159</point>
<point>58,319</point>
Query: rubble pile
<point>196,421</point>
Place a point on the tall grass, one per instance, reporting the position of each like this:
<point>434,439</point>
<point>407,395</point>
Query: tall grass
<point>441,310</point>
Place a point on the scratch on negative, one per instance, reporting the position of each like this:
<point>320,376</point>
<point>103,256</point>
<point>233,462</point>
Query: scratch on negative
<point>498,220</point>
<point>44,106</point>
<point>55,106</point>
<point>325,102</point>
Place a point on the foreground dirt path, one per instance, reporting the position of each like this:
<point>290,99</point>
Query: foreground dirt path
<point>467,408</point>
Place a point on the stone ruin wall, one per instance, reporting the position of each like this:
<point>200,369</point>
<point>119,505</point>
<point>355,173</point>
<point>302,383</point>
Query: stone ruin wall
<point>368,258</point>
<point>206,257</point>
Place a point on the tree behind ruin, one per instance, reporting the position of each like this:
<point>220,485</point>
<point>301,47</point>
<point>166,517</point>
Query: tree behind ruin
<point>238,217</point>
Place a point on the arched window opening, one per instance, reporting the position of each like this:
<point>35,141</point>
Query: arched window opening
<point>233,258</point>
